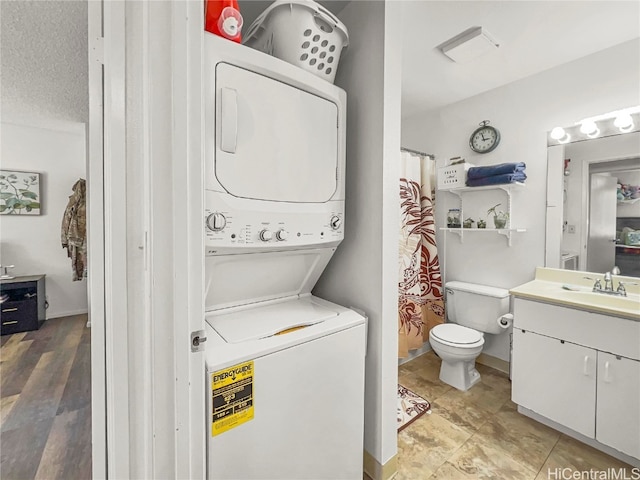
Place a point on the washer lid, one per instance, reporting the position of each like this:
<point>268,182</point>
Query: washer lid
<point>262,322</point>
<point>454,333</point>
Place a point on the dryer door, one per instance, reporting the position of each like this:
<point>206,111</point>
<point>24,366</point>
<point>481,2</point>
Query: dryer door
<point>273,141</point>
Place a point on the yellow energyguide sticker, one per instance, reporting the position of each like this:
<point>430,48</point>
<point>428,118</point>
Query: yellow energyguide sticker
<point>232,391</point>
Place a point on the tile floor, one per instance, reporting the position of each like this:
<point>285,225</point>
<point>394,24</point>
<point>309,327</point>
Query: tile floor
<point>478,434</point>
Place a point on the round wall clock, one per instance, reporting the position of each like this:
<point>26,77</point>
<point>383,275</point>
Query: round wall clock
<point>484,139</point>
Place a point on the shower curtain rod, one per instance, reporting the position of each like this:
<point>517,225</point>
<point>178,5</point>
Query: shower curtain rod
<point>417,152</point>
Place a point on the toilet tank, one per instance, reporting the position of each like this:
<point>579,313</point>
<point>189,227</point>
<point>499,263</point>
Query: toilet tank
<point>476,306</point>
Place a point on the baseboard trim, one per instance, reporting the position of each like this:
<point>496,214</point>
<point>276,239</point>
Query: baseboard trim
<point>493,362</point>
<point>415,353</point>
<point>634,462</point>
<point>377,471</point>
<point>67,314</point>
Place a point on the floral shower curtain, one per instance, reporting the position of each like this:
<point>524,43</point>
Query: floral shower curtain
<point>420,302</point>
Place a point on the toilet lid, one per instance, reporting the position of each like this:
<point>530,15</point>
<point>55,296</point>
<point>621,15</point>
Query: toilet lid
<point>453,333</point>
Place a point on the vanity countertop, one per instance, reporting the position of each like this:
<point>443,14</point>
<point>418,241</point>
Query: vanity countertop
<point>548,287</point>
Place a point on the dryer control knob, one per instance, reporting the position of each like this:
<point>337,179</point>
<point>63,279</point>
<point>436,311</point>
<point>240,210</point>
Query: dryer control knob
<point>335,222</point>
<point>282,234</point>
<point>216,222</point>
<point>266,235</point>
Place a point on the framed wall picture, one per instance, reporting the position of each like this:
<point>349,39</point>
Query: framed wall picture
<point>19,193</point>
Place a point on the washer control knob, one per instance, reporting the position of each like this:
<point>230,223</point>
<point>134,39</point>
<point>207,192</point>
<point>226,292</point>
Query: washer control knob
<point>266,235</point>
<point>216,222</point>
<point>282,234</point>
<point>336,222</point>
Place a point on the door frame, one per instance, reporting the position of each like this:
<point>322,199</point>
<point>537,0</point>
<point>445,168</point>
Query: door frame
<point>148,388</point>
<point>107,240</point>
<point>188,183</point>
<point>586,199</point>
<point>95,238</point>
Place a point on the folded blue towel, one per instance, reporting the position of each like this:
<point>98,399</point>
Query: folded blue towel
<point>497,179</point>
<point>491,170</point>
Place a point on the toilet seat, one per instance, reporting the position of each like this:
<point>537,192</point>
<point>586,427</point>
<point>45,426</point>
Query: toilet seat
<point>457,336</point>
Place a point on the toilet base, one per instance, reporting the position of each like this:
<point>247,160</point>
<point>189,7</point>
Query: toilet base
<point>460,375</point>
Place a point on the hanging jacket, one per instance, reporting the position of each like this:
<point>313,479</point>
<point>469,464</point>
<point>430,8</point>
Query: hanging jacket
<point>73,233</point>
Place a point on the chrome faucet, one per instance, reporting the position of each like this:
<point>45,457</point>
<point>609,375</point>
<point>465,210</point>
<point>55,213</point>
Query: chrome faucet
<point>608,284</point>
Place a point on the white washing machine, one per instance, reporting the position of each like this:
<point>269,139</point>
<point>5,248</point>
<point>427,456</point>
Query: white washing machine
<point>294,409</point>
<point>285,369</point>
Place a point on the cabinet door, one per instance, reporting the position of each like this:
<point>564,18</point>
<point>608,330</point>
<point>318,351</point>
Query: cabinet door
<point>618,412</point>
<point>555,379</point>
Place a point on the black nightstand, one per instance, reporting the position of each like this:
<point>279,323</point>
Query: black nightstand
<point>23,304</point>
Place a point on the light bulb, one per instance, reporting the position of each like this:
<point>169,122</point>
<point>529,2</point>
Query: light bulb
<point>560,135</point>
<point>566,139</point>
<point>589,128</point>
<point>624,122</point>
<point>557,133</point>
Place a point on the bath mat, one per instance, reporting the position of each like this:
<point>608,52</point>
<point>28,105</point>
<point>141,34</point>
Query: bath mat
<point>410,407</point>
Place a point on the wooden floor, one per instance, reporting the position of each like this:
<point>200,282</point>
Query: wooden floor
<point>45,391</point>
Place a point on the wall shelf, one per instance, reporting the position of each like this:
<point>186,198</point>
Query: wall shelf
<point>507,232</point>
<point>508,188</point>
<point>628,202</point>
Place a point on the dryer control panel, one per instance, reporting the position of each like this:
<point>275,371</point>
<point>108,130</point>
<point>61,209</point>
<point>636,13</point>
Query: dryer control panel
<point>241,224</point>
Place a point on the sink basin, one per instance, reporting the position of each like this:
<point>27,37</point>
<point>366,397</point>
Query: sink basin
<point>629,303</point>
<point>570,288</point>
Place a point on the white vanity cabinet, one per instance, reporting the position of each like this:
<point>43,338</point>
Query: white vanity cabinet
<point>556,379</point>
<point>618,403</point>
<point>579,369</point>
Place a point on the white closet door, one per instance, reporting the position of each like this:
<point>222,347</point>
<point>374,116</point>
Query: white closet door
<point>555,379</point>
<point>618,413</point>
<point>273,141</point>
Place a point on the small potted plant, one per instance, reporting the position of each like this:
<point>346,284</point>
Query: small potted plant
<point>482,224</point>
<point>468,223</point>
<point>499,217</point>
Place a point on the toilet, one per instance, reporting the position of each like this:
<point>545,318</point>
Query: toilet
<point>472,311</point>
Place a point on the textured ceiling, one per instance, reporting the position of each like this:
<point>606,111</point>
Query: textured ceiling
<point>43,60</point>
<point>43,48</point>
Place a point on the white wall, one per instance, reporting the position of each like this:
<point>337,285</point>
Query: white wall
<point>32,243</point>
<point>363,272</point>
<point>524,111</point>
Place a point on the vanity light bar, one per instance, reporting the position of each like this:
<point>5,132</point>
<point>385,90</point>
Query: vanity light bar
<point>616,123</point>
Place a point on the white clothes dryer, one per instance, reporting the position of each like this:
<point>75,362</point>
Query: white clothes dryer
<point>275,149</point>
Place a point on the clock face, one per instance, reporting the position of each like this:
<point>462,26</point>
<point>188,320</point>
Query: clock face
<point>484,139</point>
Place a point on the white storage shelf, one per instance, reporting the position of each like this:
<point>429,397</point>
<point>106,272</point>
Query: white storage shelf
<point>508,188</point>
<point>628,202</point>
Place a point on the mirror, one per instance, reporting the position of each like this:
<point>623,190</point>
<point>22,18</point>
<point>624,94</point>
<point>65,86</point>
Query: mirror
<point>593,196</point>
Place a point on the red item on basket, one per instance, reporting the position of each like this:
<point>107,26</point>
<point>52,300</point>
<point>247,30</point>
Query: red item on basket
<point>223,18</point>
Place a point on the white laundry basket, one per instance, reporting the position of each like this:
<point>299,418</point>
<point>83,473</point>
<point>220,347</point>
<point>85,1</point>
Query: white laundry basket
<point>300,32</point>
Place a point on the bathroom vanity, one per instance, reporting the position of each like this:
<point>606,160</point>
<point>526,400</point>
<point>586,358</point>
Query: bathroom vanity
<point>576,359</point>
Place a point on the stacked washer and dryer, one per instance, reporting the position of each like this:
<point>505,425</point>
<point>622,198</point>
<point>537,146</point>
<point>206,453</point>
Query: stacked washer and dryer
<point>285,369</point>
